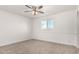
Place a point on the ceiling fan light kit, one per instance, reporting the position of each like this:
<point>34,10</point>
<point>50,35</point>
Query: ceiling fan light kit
<point>34,9</point>
<point>34,13</point>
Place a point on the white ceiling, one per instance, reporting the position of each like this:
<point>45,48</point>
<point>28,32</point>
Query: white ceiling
<point>48,9</point>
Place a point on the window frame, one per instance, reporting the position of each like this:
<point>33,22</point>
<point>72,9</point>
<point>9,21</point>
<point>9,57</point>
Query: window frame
<point>47,24</point>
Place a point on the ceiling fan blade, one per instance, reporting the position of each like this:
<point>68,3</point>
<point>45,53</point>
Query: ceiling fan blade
<point>28,6</point>
<point>41,12</point>
<point>40,7</point>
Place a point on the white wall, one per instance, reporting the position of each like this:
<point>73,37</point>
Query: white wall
<point>13,28</point>
<point>78,27</point>
<point>65,28</point>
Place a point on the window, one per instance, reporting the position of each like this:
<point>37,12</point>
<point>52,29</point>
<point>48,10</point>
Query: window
<point>50,24</point>
<point>47,24</point>
<point>43,24</point>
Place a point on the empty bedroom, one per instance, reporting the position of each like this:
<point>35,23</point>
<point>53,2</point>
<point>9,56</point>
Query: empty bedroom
<point>39,29</point>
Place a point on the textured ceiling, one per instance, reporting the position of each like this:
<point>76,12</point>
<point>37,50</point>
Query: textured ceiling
<point>48,9</point>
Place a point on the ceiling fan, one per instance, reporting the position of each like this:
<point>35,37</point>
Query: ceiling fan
<point>34,9</point>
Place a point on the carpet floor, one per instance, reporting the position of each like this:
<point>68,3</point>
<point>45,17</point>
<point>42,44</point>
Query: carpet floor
<point>37,47</point>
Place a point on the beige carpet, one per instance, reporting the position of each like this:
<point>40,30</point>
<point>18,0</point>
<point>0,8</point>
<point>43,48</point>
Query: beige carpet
<point>37,47</point>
